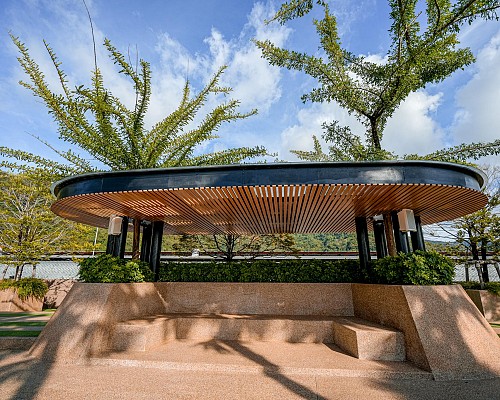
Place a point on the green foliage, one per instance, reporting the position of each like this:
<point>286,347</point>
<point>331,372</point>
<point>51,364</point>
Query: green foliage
<point>460,153</point>
<point>285,271</point>
<point>343,146</point>
<point>418,268</point>
<point>95,120</point>
<point>29,231</point>
<point>418,54</point>
<point>492,287</point>
<point>108,269</point>
<point>98,122</point>
<point>477,235</point>
<point>26,287</point>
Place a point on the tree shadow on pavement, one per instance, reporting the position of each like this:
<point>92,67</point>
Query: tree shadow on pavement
<point>269,369</point>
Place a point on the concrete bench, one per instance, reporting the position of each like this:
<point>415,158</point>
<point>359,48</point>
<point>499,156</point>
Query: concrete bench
<point>367,340</point>
<point>145,333</point>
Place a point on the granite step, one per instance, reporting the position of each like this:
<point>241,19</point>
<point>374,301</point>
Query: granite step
<point>16,343</point>
<point>271,358</point>
<point>367,340</point>
<point>145,333</point>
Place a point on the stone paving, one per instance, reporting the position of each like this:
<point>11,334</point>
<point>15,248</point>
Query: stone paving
<point>32,379</point>
<point>226,370</point>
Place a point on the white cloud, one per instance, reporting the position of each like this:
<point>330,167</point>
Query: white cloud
<point>478,116</point>
<point>309,122</point>
<point>412,129</point>
<point>377,59</point>
<point>255,82</point>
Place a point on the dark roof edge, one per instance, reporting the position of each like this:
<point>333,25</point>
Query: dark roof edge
<point>472,172</point>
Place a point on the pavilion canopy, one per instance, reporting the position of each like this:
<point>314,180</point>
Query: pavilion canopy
<point>272,198</point>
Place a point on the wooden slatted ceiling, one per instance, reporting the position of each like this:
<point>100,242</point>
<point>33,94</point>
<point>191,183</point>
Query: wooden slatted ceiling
<point>271,209</point>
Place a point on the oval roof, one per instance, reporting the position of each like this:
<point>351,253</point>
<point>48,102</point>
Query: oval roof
<point>272,198</point>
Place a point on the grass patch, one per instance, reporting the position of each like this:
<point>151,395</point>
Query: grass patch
<point>25,314</point>
<point>19,333</point>
<point>23,323</point>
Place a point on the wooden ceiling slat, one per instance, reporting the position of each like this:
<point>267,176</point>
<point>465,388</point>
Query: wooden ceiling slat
<point>303,212</point>
<point>247,213</point>
<point>271,209</point>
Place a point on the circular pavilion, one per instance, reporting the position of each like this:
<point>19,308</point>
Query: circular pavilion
<point>390,197</point>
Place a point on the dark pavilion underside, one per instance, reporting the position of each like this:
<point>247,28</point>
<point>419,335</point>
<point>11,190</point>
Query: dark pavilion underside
<point>272,198</point>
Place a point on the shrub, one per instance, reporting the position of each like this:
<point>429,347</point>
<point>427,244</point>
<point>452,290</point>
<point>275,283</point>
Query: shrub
<point>286,271</point>
<point>492,287</point>
<point>108,269</point>
<point>418,268</point>
<point>26,287</point>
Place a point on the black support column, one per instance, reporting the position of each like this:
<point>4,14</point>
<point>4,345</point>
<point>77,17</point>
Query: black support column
<point>122,239</point>
<point>147,231</point>
<point>380,239</point>
<point>116,242</point>
<point>156,239</point>
<point>401,238</point>
<point>417,238</point>
<point>110,245</point>
<point>363,242</point>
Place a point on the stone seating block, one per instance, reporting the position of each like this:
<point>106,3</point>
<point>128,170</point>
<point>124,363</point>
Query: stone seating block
<point>367,340</point>
<point>142,334</point>
<point>265,328</point>
<point>145,333</point>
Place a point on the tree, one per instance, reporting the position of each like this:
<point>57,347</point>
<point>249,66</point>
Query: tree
<point>228,246</point>
<point>29,231</point>
<point>98,122</point>
<point>478,233</point>
<point>373,91</point>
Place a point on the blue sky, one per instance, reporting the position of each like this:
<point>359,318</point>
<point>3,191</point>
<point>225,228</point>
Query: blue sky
<point>192,38</point>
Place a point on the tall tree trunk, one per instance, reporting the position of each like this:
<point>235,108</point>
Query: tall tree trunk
<point>230,240</point>
<point>474,251</point>
<point>374,134</point>
<point>136,240</point>
<point>33,272</point>
<point>486,275</point>
<point>389,235</point>
<point>475,256</point>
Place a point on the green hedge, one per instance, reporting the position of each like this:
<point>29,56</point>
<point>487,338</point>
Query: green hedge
<point>108,269</point>
<point>26,287</point>
<point>286,271</point>
<point>418,268</point>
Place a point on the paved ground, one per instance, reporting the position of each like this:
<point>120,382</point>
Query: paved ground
<point>25,378</point>
<point>228,370</point>
<point>32,379</point>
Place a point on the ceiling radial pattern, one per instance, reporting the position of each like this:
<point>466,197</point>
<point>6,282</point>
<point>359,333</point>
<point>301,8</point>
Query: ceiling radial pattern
<point>272,198</point>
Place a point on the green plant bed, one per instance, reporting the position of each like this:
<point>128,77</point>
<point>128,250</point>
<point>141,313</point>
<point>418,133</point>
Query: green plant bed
<point>417,268</point>
<point>19,333</point>
<point>26,287</point>
<point>108,269</point>
<point>285,271</point>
